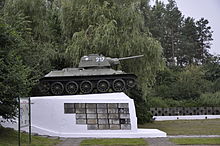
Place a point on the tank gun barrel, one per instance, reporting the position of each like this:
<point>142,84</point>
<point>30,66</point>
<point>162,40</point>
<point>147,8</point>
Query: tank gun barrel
<point>116,61</point>
<point>131,57</point>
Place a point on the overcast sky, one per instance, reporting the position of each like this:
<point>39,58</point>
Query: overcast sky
<point>208,9</point>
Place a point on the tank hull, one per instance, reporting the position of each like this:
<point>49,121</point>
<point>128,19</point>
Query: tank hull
<point>79,82</point>
<point>94,75</point>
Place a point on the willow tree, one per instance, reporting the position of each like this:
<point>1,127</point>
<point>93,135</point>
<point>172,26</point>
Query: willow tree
<point>111,28</point>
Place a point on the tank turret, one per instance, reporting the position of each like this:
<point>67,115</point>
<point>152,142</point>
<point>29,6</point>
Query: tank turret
<point>95,60</point>
<point>94,75</point>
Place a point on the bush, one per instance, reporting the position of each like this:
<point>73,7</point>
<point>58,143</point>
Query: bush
<point>169,102</point>
<point>209,99</point>
<point>141,105</point>
<point>190,83</point>
<point>216,85</point>
<point>157,102</point>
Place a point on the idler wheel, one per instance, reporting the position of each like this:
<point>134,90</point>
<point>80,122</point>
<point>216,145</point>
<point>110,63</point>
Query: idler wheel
<point>86,87</point>
<point>131,83</point>
<point>57,88</point>
<point>103,86</point>
<point>118,85</point>
<point>44,86</point>
<point>71,87</point>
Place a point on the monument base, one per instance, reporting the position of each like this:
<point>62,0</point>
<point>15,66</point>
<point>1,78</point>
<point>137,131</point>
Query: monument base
<point>109,115</point>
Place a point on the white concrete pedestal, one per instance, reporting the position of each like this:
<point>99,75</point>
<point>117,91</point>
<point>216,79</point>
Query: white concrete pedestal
<point>110,115</point>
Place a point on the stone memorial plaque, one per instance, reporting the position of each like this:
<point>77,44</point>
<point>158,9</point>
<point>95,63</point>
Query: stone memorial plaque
<point>91,105</point>
<point>114,121</point>
<point>80,121</point>
<point>112,105</point>
<point>123,105</point>
<point>80,111</point>
<point>91,111</point>
<point>113,116</point>
<point>104,127</point>
<point>101,105</point>
<point>115,127</point>
<point>102,121</point>
<point>80,105</point>
<point>92,127</point>
<point>91,121</point>
<point>100,116</point>
<point>102,111</point>
<point>91,116</point>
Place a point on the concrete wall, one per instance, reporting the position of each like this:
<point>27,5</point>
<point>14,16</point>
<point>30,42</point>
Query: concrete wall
<point>174,111</point>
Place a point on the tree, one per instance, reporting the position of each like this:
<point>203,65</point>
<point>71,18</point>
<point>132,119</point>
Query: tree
<point>101,27</point>
<point>212,68</point>
<point>173,18</point>
<point>188,43</point>
<point>165,25</point>
<point>205,36</point>
<point>14,76</point>
<point>187,83</point>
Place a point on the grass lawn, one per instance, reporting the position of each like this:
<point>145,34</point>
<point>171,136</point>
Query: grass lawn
<point>191,141</point>
<point>9,137</point>
<point>186,127</point>
<point>114,142</point>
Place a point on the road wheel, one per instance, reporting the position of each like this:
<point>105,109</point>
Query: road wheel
<point>103,86</point>
<point>44,87</point>
<point>118,85</point>
<point>71,87</point>
<point>86,87</point>
<point>131,83</point>
<point>57,88</point>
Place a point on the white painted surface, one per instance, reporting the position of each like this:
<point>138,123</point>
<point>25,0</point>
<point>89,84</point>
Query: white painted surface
<point>48,117</point>
<point>193,117</point>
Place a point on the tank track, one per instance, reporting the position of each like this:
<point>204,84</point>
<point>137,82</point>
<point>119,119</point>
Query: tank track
<point>86,84</point>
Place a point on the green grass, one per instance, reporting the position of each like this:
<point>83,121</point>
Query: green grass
<point>9,137</point>
<point>192,141</point>
<point>186,127</point>
<point>114,142</point>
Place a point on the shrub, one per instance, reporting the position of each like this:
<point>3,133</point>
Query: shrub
<point>209,99</point>
<point>169,102</point>
<point>157,102</point>
<point>216,85</point>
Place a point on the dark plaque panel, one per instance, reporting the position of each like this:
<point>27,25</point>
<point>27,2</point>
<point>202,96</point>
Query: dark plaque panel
<point>100,116</point>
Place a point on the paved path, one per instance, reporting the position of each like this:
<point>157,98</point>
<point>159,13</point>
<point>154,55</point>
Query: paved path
<point>151,141</point>
<point>159,142</point>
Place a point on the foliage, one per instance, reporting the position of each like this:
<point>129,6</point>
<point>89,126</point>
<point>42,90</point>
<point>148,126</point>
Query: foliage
<point>9,137</point>
<point>141,106</point>
<point>14,75</point>
<point>212,68</point>
<point>210,99</point>
<point>114,141</point>
<point>190,83</point>
<point>184,40</point>
<point>103,29</point>
<point>169,102</point>
<point>37,36</point>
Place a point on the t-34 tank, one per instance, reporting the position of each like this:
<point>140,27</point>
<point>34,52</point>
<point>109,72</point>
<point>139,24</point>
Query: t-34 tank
<point>93,75</point>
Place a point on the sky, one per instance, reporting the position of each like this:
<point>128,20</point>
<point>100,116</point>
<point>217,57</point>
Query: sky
<point>208,9</point>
